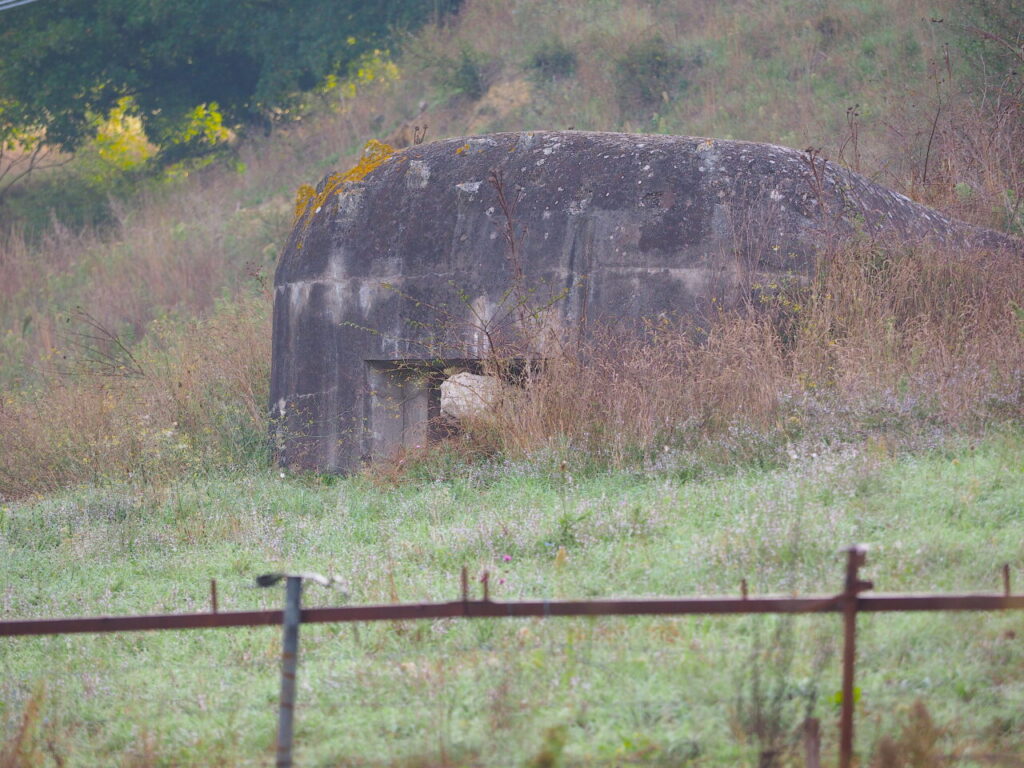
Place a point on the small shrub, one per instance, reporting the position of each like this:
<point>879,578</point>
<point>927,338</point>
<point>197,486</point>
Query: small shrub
<point>649,72</point>
<point>918,744</point>
<point>553,745</point>
<point>553,60</point>
<point>467,74</point>
<point>769,704</point>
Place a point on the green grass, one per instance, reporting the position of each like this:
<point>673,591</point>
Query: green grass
<point>489,692</point>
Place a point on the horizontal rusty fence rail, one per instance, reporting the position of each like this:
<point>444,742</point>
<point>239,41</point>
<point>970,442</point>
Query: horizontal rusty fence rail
<point>480,609</point>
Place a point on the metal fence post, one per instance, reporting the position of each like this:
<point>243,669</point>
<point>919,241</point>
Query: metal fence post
<point>855,557</point>
<point>289,664</point>
<point>812,742</point>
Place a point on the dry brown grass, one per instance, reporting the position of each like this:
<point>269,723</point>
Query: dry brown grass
<point>913,331</point>
<point>173,256</point>
<point>961,145</point>
<point>194,397</point>
<point>621,390</point>
<point>881,315</point>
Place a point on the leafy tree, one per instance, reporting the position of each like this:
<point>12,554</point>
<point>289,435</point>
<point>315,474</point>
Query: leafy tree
<point>66,63</point>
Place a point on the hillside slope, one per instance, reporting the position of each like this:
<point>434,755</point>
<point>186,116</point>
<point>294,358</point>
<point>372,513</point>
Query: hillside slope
<point>890,88</point>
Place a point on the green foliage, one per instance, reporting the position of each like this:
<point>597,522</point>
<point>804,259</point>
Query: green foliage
<point>66,65</point>
<point>989,33</point>
<point>466,74</point>
<point>375,65</point>
<point>552,60</point>
<point>649,72</point>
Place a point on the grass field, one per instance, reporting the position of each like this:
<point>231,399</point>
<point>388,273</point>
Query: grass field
<point>493,692</point>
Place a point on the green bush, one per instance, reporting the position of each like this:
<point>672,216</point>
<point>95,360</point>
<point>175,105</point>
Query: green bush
<point>553,60</point>
<point>466,74</point>
<point>647,73</point>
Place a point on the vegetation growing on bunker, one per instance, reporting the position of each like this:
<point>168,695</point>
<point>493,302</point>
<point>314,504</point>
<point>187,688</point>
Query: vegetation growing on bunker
<point>375,154</point>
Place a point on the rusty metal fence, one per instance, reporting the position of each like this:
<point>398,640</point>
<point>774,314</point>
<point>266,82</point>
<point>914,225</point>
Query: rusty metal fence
<point>849,602</point>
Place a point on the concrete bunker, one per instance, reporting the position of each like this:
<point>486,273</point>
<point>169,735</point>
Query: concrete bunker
<point>422,266</point>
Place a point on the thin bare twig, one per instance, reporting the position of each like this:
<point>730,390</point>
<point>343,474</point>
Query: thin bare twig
<point>101,352</point>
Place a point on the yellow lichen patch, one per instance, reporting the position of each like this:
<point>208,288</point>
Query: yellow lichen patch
<point>375,154</point>
<point>462,149</point>
<point>303,195</point>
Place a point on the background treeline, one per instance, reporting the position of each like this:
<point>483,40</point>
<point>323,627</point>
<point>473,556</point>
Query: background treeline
<point>187,75</point>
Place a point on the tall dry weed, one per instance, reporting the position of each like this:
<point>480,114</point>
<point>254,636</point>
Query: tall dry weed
<point>960,127</point>
<point>927,333</point>
<point>921,320</point>
<point>24,747</point>
<point>920,743</point>
<point>195,398</point>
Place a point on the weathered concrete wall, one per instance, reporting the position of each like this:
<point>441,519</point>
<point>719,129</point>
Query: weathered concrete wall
<point>412,264</point>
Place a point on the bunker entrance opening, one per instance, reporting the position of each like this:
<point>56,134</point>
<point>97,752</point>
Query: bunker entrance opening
<point>414,403</point>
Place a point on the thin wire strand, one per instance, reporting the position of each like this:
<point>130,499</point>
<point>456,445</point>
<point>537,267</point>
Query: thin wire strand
<point>8,4</point>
